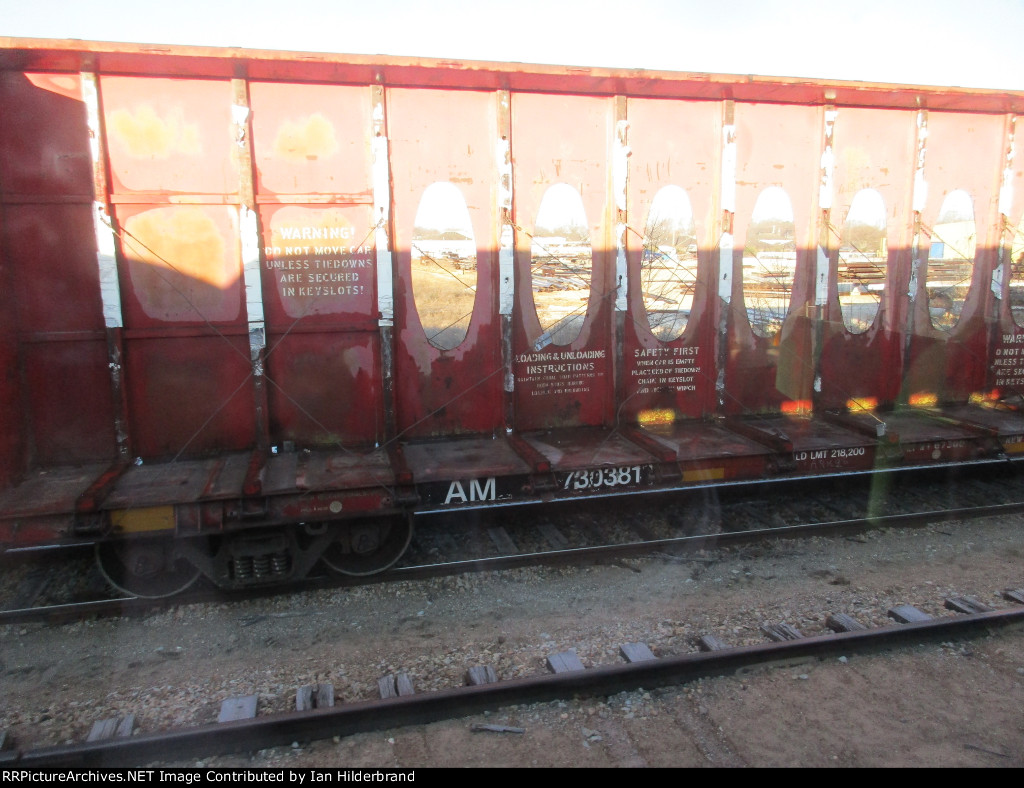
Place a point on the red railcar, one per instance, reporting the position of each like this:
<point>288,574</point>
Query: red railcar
<point>258,309</point>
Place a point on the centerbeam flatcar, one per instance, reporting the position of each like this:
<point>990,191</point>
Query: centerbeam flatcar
<point>260,309</point>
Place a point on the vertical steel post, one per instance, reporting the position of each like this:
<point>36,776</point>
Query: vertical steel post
<point>106,261</point>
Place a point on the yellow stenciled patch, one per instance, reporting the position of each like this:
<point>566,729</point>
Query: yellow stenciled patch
<point>923,399</point>
<point>306,140</point>
<point>983,397</point>
<point>704,474</point>
<point>153,518</point>
<point>858,404</point>
<point>144,133</point>
<point>1013,448</point>
<point>656,417</point>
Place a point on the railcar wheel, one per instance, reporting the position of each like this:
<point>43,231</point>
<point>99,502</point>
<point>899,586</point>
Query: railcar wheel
<point>146,569</point>
<point>369,547</point>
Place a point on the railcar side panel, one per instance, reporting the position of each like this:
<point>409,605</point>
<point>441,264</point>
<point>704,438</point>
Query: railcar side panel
<point>53,347</point>
<point>174,181</point>
<point>769,360</point>
<point>448,361</point>
<point>312,162</point>
<point>1006,361</point>
<point>670,347</point>
<point>565,285</point>
<point>957,251</point>
<point>869,237</point>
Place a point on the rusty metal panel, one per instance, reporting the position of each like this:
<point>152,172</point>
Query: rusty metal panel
<point>189,395</point>
<point>181,265</point>
<point>672,145</point>
<point>59,290</point>
<point>875,150</point>
<point>55,389</point>
<point>558,139</point>
<point>446,281</point>
<point>43,143</point>
<point>318,266</point>
<point>313,190</point>
<point>325,389</point>
<point>169,136</point>
<point>186,353</point>
<point>963,153</point>
<point>67,402</point>
<point>311,140</point>
<point>778,147</point>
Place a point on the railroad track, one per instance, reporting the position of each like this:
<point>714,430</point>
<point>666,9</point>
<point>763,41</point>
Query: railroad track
<point>240,731</point>
<point>447,546</point>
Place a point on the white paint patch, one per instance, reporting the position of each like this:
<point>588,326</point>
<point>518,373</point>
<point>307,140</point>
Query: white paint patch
<point>381,212</point>
<point>506,243</point>
<point>827,163</point>
<point>621,273</point>
<point>110,292</point>
<point>249,231</point>
<point>729,168</point>
<point>725,268</point>
<point>821,279</point>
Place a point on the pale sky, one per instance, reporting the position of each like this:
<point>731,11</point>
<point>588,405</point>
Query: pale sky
<point>970,43</point>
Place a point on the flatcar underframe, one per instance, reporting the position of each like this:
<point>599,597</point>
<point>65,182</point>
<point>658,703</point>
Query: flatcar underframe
<point>243,520</point>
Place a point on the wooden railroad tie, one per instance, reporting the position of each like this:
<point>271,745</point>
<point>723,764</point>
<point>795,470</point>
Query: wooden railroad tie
<point>780,632</point>
<point>636,652</point>
<point>711,643</point>
<point>113,728</point>
<point>480,674</point>
<point>907,614</point>
<point>395,685</point>
<point>966,604</point>
<point>553,536</point>
<point>502,541</point>
<point>840,622</point>
<point>1014,595</point>
<point>314,696</point>
<point>566,662</point>
<point>242,707</point>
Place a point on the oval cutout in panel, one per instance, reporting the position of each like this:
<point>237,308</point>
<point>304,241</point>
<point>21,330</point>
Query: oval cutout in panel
<point>444,272</point>
<point>561,263</point>
<point>951,260</point>
<point>863,258</point>
<point>1016,274</point>
<point>668,268</point>
<point>769,262</point>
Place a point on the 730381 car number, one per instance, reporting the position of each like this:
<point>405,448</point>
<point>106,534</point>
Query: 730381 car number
<point>597,478</point>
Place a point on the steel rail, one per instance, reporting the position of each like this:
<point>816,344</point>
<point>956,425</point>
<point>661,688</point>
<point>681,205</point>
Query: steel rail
<point>132,606</point>
<point>350,718</point>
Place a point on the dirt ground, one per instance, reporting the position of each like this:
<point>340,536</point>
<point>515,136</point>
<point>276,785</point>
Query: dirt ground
<point>950,704</point>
